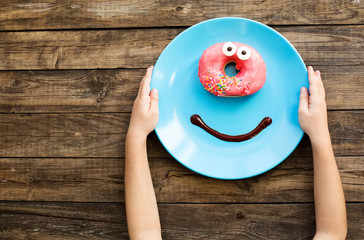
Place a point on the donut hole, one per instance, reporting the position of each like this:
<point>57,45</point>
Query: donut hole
<point>230,69</point>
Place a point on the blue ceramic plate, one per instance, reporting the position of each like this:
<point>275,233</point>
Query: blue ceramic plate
<point>182,95</point>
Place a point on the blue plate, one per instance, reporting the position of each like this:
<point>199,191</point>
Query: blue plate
<point>182,95</point>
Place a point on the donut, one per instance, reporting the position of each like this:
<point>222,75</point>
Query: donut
<point>250,78</point>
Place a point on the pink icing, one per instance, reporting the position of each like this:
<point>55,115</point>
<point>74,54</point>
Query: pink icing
<point>249,80</point>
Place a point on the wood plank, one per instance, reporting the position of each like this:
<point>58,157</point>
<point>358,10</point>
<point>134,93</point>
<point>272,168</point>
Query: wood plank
<point>103,135</point>
<point>102,180</point>
<point>67,14</point>
<point>70,90</point>
<point>83,49</point>
<point>178,221</point>
<point>115,90</point>
<point>62,221</point>
<point>291,181</point>
<point>139,48</point>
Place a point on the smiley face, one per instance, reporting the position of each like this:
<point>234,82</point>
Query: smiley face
<point>249,80</point>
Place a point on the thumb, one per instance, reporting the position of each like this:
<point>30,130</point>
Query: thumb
<point>154,99</point>
<point>303,106</point>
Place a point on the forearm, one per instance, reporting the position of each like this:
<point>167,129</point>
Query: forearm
<point>141,205</point>
<point>329,196</point>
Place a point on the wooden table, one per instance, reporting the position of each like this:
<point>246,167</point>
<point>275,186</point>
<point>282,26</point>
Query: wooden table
<point>69,74</point>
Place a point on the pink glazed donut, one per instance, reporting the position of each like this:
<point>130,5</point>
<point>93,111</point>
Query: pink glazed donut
<point>249,80</point>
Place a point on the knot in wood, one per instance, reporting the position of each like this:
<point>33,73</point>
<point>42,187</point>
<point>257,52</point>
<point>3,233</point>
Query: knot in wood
<point>179,8</point>
<point>240,215</point>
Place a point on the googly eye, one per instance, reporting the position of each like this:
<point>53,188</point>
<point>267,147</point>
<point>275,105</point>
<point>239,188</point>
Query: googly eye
<point>244,53</point>
<point>229,49</point>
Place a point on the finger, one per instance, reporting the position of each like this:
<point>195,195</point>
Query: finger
<point>142,83</point>
<point>311,75</point>
<point>303,105</point>
<point>154,99</point>
<point>320,83</point>
<point>318,74</point>
<point>312,78</point>
<point>145,84</point>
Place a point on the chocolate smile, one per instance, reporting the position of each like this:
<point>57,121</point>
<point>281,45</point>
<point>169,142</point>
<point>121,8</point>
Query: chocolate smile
<point>196,120</point>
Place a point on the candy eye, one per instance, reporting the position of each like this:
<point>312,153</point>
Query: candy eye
<point>229,49</point>
<point>244,53</point>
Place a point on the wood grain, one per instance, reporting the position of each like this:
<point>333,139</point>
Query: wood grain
<point>102,135</point>
<point>179,221</point>
<point>115,90</point>
<point>102,180</point>
<point>69,90</point>
<point>67,14</point>
<point>139,48</point>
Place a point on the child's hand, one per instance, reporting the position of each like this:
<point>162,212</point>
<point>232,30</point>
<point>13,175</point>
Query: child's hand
<point>312,114</point>
<point>145,113</point>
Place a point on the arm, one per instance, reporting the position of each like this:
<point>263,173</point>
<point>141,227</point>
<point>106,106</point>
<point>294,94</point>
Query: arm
<point>330,207</point>
<point>141,205</point>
